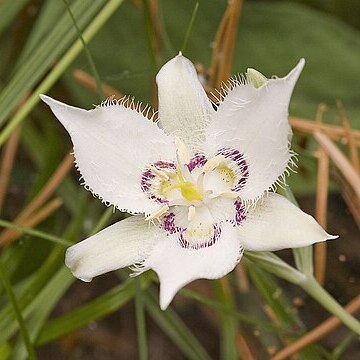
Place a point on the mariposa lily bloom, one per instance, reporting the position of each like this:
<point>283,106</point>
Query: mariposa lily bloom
<point>198,180</point>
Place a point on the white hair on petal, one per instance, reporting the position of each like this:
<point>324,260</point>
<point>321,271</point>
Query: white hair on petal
<point>227,86</point>
<point>129,102</point>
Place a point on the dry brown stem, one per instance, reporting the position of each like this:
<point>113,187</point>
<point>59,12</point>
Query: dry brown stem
<point>317,333</point>
<point>354,156</point>
<point>244,349</point>
<point>335,132</point>
<point>225,40</point>
<point>242,278</point>
<point>42,197</point>
<point>348,194</point>
<point>89,82</point>
<point>321,212</point>
<point>7,163</point>
<point>340,160</point>
<point>10,235</point>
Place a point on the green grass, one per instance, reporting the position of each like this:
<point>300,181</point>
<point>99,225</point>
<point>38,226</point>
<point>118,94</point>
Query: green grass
<point>112,41</point>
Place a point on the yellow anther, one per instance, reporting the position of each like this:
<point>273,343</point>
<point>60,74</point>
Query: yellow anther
<point>157,214</point>
<point>213,163</point>
<point>191,212</point>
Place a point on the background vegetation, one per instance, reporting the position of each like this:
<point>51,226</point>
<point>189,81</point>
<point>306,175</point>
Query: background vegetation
<point>42,307</point>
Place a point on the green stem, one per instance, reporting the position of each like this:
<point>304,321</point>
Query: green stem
<point>60,67</point>
<point>149,28</point>
<point>278,267</point>
<point>188,31</point>
<point>36,233</point>
<point>315,290</point>
<point>103,221</point>
<point>140,320</point>
<point>7,286</point>
<point>87,53</point>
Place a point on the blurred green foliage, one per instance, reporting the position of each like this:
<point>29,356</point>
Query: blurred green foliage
<point>35,35</point>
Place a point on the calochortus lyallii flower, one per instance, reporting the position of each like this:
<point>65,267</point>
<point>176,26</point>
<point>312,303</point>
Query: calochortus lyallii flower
<point>198,181</point>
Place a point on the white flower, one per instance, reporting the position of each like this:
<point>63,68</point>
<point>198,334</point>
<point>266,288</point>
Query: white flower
<point>198,180</point>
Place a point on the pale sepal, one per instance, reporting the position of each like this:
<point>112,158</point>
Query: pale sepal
<point>177,266</point>
<point>122,244</point>
<point>275,223</point>
<point>184,108</point>
<point>255,122</point>
<point>112,145</point>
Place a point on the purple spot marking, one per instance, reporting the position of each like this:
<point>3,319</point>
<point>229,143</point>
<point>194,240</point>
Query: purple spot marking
<point>239,158</point>
<point>186,244</point>
<point>198,160</point>
<point>148,175</point>
<point>168,224</point>
<point>165,165</point>
<point>240,214</point>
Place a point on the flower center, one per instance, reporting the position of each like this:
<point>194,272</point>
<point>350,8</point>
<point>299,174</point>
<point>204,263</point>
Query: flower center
<point>195,195</point>
<point>188,189</point>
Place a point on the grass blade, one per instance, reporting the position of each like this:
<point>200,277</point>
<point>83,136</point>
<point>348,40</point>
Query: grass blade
<point>88,54</point>
<point>59,69</point>
<point>101,306</point>
<point>8,10</point>
<point>174,327</point>
<point>140,320</point>
<point>18,314</point>
<point>35,233</point>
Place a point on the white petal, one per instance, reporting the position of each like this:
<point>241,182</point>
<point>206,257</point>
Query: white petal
<point>255,122</point>
<point>275,223</point>
<point>177,266</point>
<point>112,146</point>
<point>122,244</point>
<point>184,108</point>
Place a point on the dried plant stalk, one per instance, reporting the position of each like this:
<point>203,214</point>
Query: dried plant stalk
<point>321,212</point>
<point>348,194</point>
<point>334,132</point>
<point>7,163</point>
<point>89,82</point>
<point>317,333</point>
<point>42,197</point>
<point>244,349</point>
<point>242,278</point>
<point>354,157</point>
<point>340,160</point>
<point>225,40</point>
<point>10,234</point>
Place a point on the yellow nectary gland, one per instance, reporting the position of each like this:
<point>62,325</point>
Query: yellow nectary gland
<point>189,191</point>
<point>229,173</point>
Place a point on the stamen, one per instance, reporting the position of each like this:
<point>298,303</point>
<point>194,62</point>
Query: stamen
<point>191,213</point>
<point>158,172</point>
<point>182,151</point>
<point>200,181</point>
<point>213,163</point>
<point>157,214</point>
